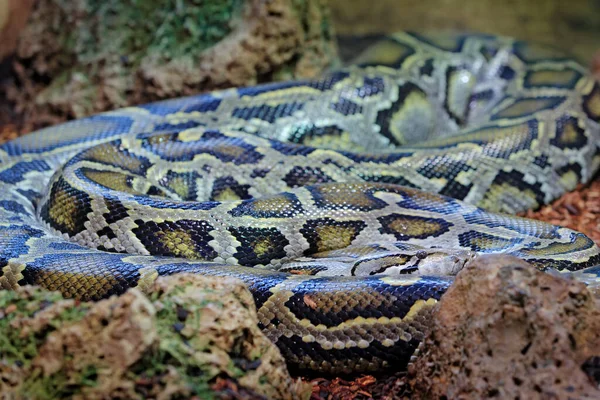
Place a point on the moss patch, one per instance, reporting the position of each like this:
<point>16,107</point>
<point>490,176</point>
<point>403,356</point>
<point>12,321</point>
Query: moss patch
<point>19,346</point>
<point>192,337</point>
<point>79,57</point>
<point>134,28</point>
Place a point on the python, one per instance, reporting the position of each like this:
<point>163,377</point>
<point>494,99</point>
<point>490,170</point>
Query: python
<point>345,203</point>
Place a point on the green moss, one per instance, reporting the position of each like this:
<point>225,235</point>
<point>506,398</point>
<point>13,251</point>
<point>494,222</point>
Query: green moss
<point>19,350</point>
<point>89,56</point>
<point>132,29</point>
<point>183,356</point>
<point>57,386</point>
<point>174,350</point>
<point>183,353</point>
<point>46,387</point>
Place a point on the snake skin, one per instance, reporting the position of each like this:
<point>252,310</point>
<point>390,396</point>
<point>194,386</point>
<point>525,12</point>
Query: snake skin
<point>344,203</point>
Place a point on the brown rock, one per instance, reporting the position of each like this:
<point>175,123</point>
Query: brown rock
<point>13,15</point>
<point>191,337</point>
<point>269,40</point>
<point>81,59</point>
<point>506,330</point>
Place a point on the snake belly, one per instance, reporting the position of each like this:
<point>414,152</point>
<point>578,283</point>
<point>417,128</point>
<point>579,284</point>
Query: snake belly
<point>344,202</point>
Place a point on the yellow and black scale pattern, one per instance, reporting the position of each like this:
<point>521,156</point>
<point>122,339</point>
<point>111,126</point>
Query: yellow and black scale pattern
<point>344,202</point>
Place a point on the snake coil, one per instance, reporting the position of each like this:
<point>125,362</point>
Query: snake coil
<point>342,202</point>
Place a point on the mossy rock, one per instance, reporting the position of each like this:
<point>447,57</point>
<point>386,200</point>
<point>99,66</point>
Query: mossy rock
<point>85,56</point>
<point>192,336</point>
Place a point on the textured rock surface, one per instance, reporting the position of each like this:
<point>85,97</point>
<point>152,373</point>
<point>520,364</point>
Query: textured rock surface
<point>506,330</point>
<point>85,56</point>
<point>13,15</point>
<point>192,336</point>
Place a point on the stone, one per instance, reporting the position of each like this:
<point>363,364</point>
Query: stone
<point>190,337</point>
<point>94,58</point>
<point>509,331</point>
<point>13,16</point>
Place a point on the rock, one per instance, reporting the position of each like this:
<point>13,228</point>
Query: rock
<point>506,330</point>
<point>93,58</point>
<point>13,15</point>
<point>191,336</point>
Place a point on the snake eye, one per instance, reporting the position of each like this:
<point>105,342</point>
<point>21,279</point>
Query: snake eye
<point>421,254</point>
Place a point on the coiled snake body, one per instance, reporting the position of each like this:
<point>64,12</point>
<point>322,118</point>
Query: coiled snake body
<point>342,202</point>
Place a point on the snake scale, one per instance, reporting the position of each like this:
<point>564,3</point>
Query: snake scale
<point>345,203</point>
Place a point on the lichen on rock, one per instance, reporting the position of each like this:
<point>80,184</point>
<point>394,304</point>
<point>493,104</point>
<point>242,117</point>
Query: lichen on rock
<point>507,330</point>
<point>191,336</point>
<point>86,56</point>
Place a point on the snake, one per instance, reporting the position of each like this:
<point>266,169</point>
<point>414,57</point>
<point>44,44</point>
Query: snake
<point>346,203</point>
